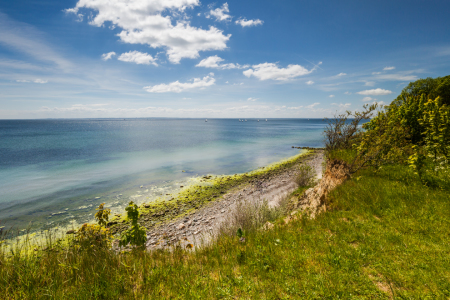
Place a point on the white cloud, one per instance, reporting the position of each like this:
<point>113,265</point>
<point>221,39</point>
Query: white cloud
<point>252,99</point>
<point>313,105</point>
<point>143,22</point>
<point>215,63</point>
<point>177,87</point>
<point>267,71</point>
<point>107,56</point>
<point>369,83</point>
<point>367,99</point>
<point>375,92</point>
<point>388,68</point>
<point>331,96</point>
<point>79,16</point>
<point>341,74</point>
<point>220,13</point>
<point>347,93</point>
<point>376,73</point>
<point>310,82</point>
<point>398,77</point>
<point>295,107</point>
<point>138,58</point>
<point>341,105</point>
<point>247,23</point>
<point>38,80</point>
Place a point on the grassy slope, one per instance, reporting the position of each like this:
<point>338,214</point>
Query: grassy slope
<point>386,235</point>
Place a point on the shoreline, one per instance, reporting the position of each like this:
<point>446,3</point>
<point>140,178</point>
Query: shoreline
<point>203,193</point>
<point>195,214</point>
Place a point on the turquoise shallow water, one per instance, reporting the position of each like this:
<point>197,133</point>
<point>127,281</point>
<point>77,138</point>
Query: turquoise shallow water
<point>57,171</point>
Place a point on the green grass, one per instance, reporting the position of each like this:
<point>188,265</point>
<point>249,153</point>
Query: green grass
<point>386,235</point>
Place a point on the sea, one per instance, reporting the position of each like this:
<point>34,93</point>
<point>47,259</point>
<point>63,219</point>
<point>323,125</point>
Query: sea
<point>55,172</point>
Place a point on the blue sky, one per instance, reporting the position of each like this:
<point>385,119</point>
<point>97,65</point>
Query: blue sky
<point>233,59</point>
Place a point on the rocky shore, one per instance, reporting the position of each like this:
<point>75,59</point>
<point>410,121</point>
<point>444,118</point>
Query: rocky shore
<point>200,226</point>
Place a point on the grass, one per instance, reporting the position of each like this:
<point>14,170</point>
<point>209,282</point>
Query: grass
<point>386,235</point>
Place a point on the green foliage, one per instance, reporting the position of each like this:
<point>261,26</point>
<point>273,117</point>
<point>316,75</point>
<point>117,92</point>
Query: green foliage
<point>411,130</point>
<point>136,234</point>
<point>436,123</point>
<point>431,88</point>
<point>92,236</point>
<point>102,216</point>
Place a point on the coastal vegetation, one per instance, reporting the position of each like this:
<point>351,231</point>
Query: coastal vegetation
<point>384,234</point>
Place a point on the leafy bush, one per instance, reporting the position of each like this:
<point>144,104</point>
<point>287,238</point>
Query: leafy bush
<point>92,236</point>
<point>136,234</point>
<point>431,88</point>
<point>102,216</point>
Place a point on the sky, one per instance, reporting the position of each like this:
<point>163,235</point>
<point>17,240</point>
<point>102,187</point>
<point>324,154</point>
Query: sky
<point>223,59</point>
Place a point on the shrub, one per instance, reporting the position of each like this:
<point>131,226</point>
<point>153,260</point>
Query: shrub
<point>102,216</point>
<point>91,236</point>
<point>305,176</point>
<point>343,129</point>
<point>136,234</point>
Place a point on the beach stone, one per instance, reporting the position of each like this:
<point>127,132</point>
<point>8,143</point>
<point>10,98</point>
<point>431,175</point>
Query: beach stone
<point>147,205</point>
<point>181,226</point>
<point>70,232</point>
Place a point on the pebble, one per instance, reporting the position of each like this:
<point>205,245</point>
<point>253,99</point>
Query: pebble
<point>181,226</point>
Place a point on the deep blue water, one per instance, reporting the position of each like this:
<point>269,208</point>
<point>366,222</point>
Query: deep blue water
<point>54,171</point>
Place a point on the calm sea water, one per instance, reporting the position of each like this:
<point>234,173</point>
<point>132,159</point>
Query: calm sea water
<point>58,171</point>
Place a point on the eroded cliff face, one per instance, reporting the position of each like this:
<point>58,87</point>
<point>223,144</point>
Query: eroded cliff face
<point>313,201</point>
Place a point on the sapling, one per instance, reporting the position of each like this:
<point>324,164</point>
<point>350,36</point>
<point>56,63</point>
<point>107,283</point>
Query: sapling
<point>136,234</point>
